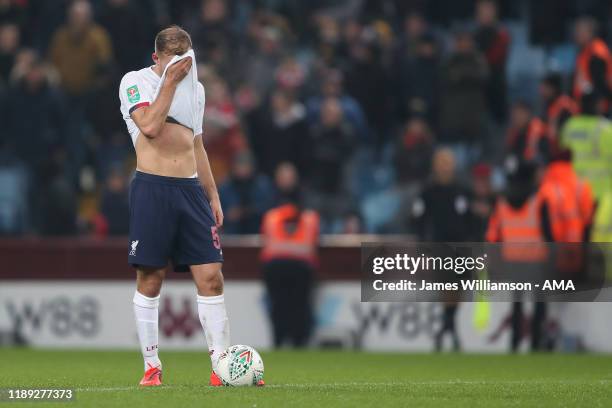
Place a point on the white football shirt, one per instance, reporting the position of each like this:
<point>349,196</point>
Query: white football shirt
<point>138,88</point>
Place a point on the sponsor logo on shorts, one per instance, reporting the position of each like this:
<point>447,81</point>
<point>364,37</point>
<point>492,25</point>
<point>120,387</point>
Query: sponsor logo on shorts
<point>133,250</point>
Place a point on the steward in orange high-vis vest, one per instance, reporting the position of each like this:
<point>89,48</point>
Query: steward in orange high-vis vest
<point>289,256</point>
<point>560,110</point>
<point>510,225</point>
<point>517,223</point>
<point>570,203</point>
<point>528,136</point>
<point>569,198</point>
<point>593,73</point>
<point>558,106</point>
<point>298,242</point>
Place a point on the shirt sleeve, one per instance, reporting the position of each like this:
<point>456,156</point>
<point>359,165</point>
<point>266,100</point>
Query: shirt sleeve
<point>198,128</point>
<point>133,93</point>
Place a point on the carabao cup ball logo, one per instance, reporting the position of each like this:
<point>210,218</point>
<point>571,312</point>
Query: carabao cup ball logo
<point>241,361</point>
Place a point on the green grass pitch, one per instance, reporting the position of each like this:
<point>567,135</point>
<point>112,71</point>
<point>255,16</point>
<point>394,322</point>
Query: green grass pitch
<point>319,379</point>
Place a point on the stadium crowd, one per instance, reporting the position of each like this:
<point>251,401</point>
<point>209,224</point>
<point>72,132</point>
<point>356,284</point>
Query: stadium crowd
<point>379,112</point>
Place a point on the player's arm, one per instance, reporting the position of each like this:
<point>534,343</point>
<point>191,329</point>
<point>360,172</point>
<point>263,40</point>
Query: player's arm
<point>150,119</point>
<point>207,180</point>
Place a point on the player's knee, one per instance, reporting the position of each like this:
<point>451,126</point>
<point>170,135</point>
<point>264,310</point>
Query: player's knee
<point>211,284</point>
<point>149,288</point>
<point>149,283</point>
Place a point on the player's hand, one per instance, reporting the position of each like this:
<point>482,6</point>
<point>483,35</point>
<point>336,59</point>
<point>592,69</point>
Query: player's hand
<point>177,71</point>
<point>215,205</point>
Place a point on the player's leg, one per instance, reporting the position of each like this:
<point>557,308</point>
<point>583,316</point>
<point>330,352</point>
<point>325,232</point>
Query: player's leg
<point>146,312</point>
<point>152,228</point>
<point>211,307</point>
<point>199,247</point>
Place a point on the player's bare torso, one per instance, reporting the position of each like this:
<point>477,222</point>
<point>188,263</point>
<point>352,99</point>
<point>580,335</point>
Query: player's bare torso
<point>169,154</point>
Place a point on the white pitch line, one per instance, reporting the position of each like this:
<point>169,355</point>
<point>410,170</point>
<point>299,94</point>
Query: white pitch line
<point>369,384</point>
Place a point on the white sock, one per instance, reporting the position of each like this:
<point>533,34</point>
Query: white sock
<point>213,317</point>
<point>146,310</point>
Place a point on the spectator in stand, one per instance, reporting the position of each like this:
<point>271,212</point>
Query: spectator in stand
<point>119,17</point>
<point>280,133</point>
<point>114,206</point>
<point>332,140</point>
<point>56,201</point>
<point>558,107</point>
<point>411,160</point>
<point>593,73</point>
<point>286,184</point>
<point>9,44</point>
<point>290,75</point>
<point>258,66</point>
<point>81,50</point>
<point>245,196</point>
<point>224,138</point>
<point>34,106</point>
<point>214,39</point>
<point>414,29</point>
<point>528,137</point>
<point>494,42</point>
<point>368,82</point>
<point>463,98</point>
<point>332,43</point>
<point>332,87</point>
<point>14,12</point>
<point>418,80</point>
<point>413,152</point>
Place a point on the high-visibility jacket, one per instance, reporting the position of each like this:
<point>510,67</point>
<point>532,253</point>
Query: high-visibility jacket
<point>590,140</point>
<point>535,133</point>
<point>519,231</point>
<point>583,82</point>
<point>602,222</point>
<point>570,202</point>
<point>602,230</point>
<point>298,244</point>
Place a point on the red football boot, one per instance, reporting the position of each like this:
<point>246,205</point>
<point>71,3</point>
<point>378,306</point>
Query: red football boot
<point>152,377</point>
<point>215,381</point>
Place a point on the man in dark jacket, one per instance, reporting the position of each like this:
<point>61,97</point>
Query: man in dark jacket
<point>246,196</point>
<point>494,42</point>
<point>463,92</point>
<point>443,214</point>
<point>417,77</point>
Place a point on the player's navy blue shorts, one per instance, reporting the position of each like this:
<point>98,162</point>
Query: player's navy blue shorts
<point>171,220</point>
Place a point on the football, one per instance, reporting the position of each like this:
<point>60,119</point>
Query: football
<point>240,365</point>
